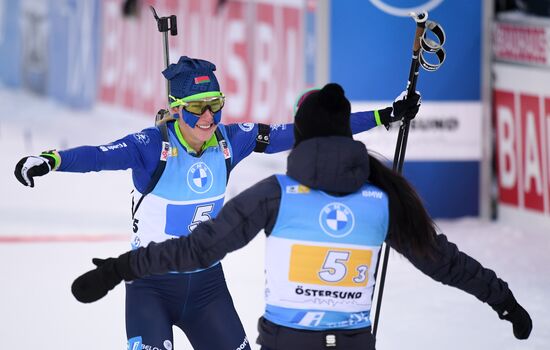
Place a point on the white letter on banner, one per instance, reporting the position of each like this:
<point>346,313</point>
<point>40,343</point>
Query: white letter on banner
<point>505,121</point>
<point>532,161</point>
<point>263,87</point>
<point>236,68</point>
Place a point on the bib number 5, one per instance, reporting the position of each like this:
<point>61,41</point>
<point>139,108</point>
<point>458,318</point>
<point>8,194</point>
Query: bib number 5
<point>202,213</point>
<point>335,268</point>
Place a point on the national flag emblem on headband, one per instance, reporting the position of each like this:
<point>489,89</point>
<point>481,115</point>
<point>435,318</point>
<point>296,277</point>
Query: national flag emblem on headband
<point>202,79</point>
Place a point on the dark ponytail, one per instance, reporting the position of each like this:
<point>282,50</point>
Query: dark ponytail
<point>410,226</point>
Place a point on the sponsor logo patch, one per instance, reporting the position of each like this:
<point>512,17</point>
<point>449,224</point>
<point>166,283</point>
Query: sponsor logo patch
<point>165,153</point>
<point>199,178</point>
<point>243,344</point>
<point>246,127</point>
<point>111,147</point>
<point>141,138</point>
<point>134,343</point>
<point>275,127</point>
<point>225,149</point>
<point>297,189</point>
<point>372,194</point>
<point>336,219</point>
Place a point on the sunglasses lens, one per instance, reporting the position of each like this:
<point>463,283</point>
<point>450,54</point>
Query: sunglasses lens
<point>194,107</point>
<point>199,107</point>
<point>216,105</point>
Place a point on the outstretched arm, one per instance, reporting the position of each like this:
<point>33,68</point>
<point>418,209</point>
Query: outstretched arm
<point>235,226</point>
<point>136,151</point>
<point>132,151</point>
<point>248,137</point>
<point>282,135</point>
<point>452,267</point>
<point>244,137</point>
<point>238,223</point>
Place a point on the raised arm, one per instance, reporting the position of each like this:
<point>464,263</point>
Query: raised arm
<point>246,138</point>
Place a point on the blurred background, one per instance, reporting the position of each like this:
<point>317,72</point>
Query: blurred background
<point>88,72</point>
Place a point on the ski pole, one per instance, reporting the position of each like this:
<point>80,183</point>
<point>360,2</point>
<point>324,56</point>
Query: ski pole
<point>421,45</point>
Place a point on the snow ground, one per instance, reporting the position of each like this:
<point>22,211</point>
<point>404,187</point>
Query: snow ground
<point>38,311</point>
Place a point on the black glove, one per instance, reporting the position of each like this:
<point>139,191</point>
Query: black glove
<point>95,284</point>
<point>510,310</point>
<point>402,108</point>
<point>29,167</point>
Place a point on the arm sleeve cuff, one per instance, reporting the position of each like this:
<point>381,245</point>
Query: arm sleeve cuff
<point>52,155</point>
<point>377,117</point>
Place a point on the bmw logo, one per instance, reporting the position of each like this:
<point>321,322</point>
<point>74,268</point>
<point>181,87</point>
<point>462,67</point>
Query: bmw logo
<point>337,220</point>
<point>199,178</point>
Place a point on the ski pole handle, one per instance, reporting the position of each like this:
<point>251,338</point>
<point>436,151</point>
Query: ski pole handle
<point>420,20</point>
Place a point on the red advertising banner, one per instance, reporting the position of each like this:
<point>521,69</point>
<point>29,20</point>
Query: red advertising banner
<point>258,49</point>
<point>531,160</point>
<point>524,43</point>
<point>522,122</point>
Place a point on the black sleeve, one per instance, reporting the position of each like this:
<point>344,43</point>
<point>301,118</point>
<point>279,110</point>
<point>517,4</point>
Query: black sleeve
<point>452,267</point>
<point>238,223</point>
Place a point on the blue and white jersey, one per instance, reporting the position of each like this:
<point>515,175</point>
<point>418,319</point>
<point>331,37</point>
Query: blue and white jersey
<point>321,257</point>
<point>191,190</point>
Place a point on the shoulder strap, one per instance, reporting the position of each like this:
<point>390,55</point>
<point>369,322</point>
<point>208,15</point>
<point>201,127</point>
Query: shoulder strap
<point>262,140</point>
<point>163,127</point>
<point>226,152</point>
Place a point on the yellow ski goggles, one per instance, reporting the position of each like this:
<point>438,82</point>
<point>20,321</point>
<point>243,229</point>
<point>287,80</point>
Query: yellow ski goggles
<point>199,103</point>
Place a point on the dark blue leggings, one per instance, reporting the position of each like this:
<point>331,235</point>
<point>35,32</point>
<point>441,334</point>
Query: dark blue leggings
<point>198,303</point>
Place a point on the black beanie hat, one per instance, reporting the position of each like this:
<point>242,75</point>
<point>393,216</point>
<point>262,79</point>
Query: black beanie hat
<point>323,113</point>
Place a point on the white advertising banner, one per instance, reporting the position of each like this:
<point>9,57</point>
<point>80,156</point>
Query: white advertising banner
<point>442,131</point>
